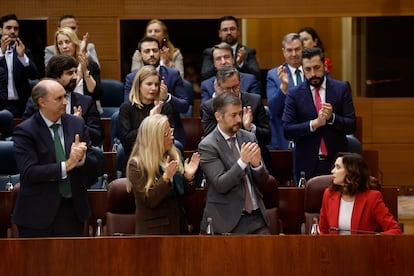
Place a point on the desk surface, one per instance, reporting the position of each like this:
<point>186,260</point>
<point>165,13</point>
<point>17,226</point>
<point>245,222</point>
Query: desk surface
<point>206,255</point>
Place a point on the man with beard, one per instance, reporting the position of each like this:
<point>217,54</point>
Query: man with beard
<point>235,172</point>
<point>16,67</point>
<point>172,87</point>
<point>63,69</point>
<point>244,57</point>
<point>278,82</point>
<point>318,115</point>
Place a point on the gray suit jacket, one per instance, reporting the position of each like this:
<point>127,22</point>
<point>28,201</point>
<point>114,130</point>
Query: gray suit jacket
<point>226,192</point>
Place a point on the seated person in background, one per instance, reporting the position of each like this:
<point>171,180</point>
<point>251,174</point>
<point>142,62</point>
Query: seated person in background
<point>170,56</point>
<point>16,67</point>
<point>255,119</point>
<point>89,74</point>
<point>171,85</point>
<point>311,39</point>
<point>223,55</point>
<point>244,57</point>
<point>63,69</point>
<point>144,100</point>
<point>70,21</point>
<point>349,206</point>
<point>157,176</point>
<point>231,161</point>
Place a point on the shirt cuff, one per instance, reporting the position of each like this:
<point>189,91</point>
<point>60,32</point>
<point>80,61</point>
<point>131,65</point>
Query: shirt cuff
<point>24,60</point>
<point>63,169</point>
<point>241,164</point>
<point>333,119</point>
<point>168,98</point>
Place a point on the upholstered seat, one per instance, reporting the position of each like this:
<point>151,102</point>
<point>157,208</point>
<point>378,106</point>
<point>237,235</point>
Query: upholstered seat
<point>112,96</point>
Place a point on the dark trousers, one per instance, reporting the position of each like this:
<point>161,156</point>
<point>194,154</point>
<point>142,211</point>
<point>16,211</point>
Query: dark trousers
<point>252,223</point>
<point>65,224</point>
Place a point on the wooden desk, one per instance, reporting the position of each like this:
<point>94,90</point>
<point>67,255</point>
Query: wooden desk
<point>205,255</point>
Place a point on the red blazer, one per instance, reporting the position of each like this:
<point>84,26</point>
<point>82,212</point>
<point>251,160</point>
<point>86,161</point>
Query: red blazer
<point>368,213</point>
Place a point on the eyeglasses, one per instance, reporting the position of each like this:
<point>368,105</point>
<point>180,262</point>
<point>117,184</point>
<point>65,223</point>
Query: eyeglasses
<point>169,133</point>
<point>235,88</point>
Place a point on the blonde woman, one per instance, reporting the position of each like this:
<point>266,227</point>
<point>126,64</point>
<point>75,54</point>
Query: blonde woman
<point>89,80</point>
<point>158,178</point>
<point>170,56</point>
<point>144,100</point>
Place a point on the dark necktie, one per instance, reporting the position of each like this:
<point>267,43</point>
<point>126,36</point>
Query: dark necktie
<point>248,204</point>
<point>318,104</point>
<point>298,77</point>
<point>64,185</point>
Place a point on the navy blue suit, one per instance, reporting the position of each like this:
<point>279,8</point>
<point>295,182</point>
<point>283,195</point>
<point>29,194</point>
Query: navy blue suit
<point>21,76</point>
<point>39,198</point>
<point>89,114</point>
<point>300,110</point>
<point>276,103</point>
<point>248,83</point>
<point>180,101</point>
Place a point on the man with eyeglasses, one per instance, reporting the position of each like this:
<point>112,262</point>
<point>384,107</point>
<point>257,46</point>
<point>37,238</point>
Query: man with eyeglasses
<point>172,87</point>
<point>223,56</point>
<point>244,57</point>
<point>70,21</point>
<point>254,119</point>
<point>279,80</point>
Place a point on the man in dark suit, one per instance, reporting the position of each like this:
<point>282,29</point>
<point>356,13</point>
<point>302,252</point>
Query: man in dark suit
<point>16,67</point>
<point>172,87</point>
<point>318,135</point>
<point>222,56</point>
<point>255,119</point>
<point>235,173</point>
<point>63,69</point>
<point>245,58</point>
<point>56,164</point>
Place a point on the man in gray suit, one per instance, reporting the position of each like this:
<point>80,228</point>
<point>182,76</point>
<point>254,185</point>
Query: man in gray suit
<point>70,21</point>
<point>235,173</point>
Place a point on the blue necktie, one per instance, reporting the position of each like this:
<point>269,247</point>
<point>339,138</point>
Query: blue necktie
<point>64,185</point>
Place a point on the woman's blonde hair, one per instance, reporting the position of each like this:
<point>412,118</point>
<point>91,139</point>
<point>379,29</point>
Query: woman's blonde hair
<point>149,152</point>
<point>166,35</point>
<point>144,73</point>
<point>72,37</point>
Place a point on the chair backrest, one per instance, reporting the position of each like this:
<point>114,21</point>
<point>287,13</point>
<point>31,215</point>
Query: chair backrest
<point>120,215</point>
<point>314,190</point>
<point>193,130</point>
<point>282,166</point>
<point>8,164</point>
<point>6,124</point>
<point>354,145</point>
<point>112,96</point>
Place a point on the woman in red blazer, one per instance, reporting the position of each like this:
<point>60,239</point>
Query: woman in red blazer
<point>349,206</point>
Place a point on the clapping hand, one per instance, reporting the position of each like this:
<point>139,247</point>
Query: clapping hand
<point>191,166</point>
<point>77,153</point>
<point>250,153</point>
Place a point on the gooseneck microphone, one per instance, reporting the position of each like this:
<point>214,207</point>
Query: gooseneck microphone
<point>355,231</point>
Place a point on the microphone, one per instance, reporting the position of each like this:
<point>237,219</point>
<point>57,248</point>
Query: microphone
<point>356,231</point>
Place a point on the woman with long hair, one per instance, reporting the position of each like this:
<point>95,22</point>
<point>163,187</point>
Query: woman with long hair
<point>158,177</point>
<point>349,205</point>
<point>170,55</point>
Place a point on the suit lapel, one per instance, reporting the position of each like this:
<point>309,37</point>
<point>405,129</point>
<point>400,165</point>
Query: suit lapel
<point>359,206</point>
<point>68,134</point>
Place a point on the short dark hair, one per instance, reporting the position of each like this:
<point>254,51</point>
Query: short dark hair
<point>147,39</point>
<point>66,16</point>
<point>221,101</point>
<point>225,72</point>
<point>58,64</point>
<point>223,46</point>
<point>309,53</point>
<point>8,17</point>
<point>228,18</point>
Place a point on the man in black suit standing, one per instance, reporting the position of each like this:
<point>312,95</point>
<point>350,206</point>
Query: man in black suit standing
<point>255,119</point>
<point>63,69</point>
<point>56,165</point>
<point>244,57</point>
<point>16,67</point>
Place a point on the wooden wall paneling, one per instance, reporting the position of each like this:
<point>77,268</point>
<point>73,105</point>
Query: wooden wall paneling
<point>363,109</point>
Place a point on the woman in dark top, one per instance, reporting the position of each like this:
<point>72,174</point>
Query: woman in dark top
<point>144,100</point>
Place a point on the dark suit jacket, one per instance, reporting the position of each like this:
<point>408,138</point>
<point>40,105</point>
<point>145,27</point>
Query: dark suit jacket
<point>89,114</point>
<point>21,76</point>
<point>248,83</point>
<point>95,72</point>
<point>250,64</point>
<point>369,212</point>
<point>180,101</point>
<point>300,109</point>
<point>276,102</point>
<point>39,198</point>
<point>226,190</point>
